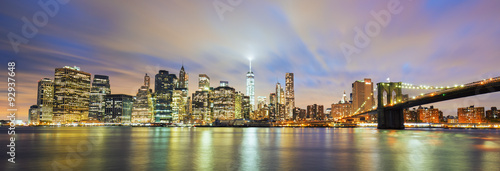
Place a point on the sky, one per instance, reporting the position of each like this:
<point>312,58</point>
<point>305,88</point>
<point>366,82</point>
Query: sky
<point>438,43</point>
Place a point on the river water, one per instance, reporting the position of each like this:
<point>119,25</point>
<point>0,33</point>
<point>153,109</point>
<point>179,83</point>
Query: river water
<point>160,148</point>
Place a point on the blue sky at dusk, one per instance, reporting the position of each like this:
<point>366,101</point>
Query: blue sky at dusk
<point>438,43</point>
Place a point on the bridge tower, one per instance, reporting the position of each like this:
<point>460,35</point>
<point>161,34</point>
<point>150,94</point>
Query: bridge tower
<point>390,117</point>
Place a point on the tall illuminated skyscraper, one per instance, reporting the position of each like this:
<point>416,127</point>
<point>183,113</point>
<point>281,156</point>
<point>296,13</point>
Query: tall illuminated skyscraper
<point>71,95</point>
<point>165,84</point>
<point>362,95</point>
<point>251,86</point>
<point>142,108</point>
<point>183,79</point>
<point>100,88</point>
<point>289,95</point>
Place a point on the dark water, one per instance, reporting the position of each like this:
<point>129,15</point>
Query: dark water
<point>125,148</point>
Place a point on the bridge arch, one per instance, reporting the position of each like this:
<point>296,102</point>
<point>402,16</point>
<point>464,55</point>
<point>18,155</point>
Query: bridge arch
<point>392,92</point>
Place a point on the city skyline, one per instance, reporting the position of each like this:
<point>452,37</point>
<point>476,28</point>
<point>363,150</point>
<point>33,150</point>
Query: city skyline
<point>290,43</point>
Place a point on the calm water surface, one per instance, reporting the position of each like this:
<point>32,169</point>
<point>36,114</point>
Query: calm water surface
<point>126,148</point>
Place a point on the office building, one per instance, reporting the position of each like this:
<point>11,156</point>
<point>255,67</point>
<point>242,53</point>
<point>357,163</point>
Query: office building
<point>165,84</point>
<point>183,81</point>
<point>45,99</point>
<point>342,109</point>
<point>71,95</point>
<point>289,95</point>
<point>34,115</point>
<point>180,106</point>
<point>203,82</point>
<point>251,86</point>
<point>362,95</point>
<point>100,89</point>
<point>118,108</point>
<point>202,105</point>
<point>142,108</point>
<point>224,102</point>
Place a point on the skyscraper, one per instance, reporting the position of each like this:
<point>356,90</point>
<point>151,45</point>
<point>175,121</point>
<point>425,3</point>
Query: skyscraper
<point>203,82</point>
<point>251,86</point>
<point>71,95</point>
<point>289,95</point>
<point>118,108</point>
<point>179,106</point>
<point>142,109</point>
<point>164,87</point>
<point>100,88</point>
<point>262,101</point>
<point>362,95</point>
<point>279,107</point>
<point>224,102</point>
<point>202,107</point>
<point>238,105</point>
<point>45,99</point>
<point>147,81</point>
<point>278,93</point>
<point>183,79</point>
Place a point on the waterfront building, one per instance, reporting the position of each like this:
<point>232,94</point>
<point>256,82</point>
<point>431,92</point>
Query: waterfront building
<point>100,89</point>
<point>492,114</point>
<point>246,107</point>
<point>142,108</point>
<point>179,106</point>
<point>165,84</point>
<point>71,95</point>
<point>202,107</point>
<point>429,115</point>
<point>289,95</point>
<point>342,109</point>
<point>471,115</point>
<point>118,108</point>
<point>411,115</point>
<point>362,95</point>
<point>34,115</point>
<point>224,102</point>
<point>45,99</point>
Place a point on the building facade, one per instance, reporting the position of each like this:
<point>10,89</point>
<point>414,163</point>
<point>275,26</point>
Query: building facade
<point>165,84</point>
<point>203,82</point>
<point>224,102</point>
<point>71,95</point>
<point>251,86</point>
<point>289,95</point>
<point>142,108</point>
<point>45,99</point>
<point>471,115</point>
<point>362,95</point>
<point>100,89</point>
<point>118,108</point>
<point>34,115</point>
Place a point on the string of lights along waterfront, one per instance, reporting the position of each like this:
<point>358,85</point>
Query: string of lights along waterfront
<point>75,96</point>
